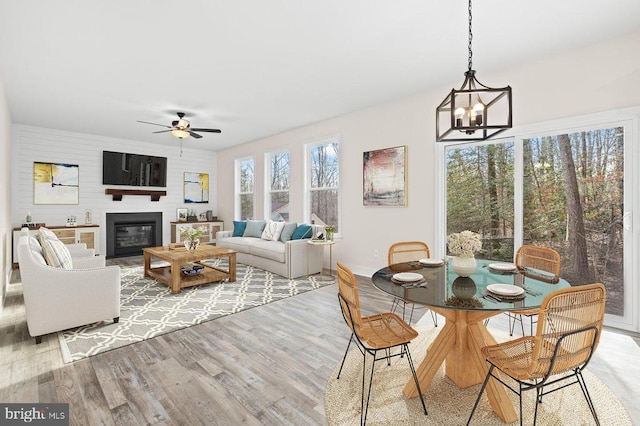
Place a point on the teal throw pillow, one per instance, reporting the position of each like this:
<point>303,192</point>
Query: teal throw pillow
<point>287,231</point>
<point>255,228</point>
<point>302,232</point>
<point>238,228</point>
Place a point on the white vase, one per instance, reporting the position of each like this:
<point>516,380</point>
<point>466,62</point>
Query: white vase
<point>464,265</point>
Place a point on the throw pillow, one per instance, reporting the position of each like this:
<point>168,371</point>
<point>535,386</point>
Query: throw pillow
<point>254,228</point>
<point>57,254</point>
<point>46,234</point>
<point>287,231</point>
<point>302,231</point>
<point>272,230</point>
<point>238,228</point>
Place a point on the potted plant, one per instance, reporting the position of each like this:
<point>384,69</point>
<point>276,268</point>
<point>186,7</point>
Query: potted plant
<point>192,236</point>
<point>191,216</point>
<point>329,232</point>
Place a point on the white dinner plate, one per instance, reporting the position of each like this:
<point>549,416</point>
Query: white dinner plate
<point>407,277</point>
<point>505,289</point>
<point>431,262</point>
<point>503,266</point>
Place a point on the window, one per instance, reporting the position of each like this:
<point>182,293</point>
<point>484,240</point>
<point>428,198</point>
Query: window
<point>323,179</point>
<point>245,183</point>
<point>277,188</point>
<point>480,195</point>
<point>565,185</point>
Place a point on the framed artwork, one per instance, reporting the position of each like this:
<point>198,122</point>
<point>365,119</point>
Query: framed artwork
<point>55,183</point>
<point>181,214</point>
<point>196,187</point>
<point>385,177</point>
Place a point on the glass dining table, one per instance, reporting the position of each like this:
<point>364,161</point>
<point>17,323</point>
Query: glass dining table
<point>465,302</point>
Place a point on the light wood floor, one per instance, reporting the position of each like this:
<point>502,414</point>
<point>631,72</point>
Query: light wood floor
<point>264,366</point>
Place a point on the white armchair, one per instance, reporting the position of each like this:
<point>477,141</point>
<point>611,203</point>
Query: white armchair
<point>56,299</point>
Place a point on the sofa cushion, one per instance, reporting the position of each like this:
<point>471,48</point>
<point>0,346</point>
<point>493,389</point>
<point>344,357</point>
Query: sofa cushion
<point>272,230</point>
<point>254,228</point>
<point>238,228</point>
<point>57,254</point>
<point>302,231</point>
<point>273,250</point>
<point>240,244</point>
<point>287,231</point>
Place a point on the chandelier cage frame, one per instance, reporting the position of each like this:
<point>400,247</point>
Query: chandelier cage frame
<point>475,112</point>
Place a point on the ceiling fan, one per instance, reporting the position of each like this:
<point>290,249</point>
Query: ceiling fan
<point>181,128</point>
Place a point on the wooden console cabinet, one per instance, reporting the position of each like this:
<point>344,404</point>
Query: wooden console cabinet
<point>209,236</point>
<point>87,234</point>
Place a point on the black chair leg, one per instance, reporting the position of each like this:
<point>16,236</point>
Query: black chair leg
<point>484,385</point>
<point>363,420</point>
<point>587,396</point>
<point>434,317</point>
<point>415,377</point>
<point>345,356</point>
<point>38,340</point>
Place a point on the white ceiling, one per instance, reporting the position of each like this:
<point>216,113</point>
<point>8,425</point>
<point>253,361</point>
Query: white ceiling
<point>255,68</point>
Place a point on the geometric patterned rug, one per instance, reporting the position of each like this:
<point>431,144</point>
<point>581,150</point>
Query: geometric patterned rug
<point>148,309</point>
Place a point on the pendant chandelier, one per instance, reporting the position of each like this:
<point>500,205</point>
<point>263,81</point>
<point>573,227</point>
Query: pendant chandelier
<point>475,112</point>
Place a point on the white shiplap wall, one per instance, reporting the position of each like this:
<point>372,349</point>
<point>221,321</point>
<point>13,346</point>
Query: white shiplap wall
<point>54,146</point>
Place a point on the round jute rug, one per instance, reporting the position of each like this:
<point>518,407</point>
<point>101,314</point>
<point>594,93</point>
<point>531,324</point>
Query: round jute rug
<point>449,405</point>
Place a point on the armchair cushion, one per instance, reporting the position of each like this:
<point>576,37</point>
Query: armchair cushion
<point>56,254</point>
<point>46,234</point>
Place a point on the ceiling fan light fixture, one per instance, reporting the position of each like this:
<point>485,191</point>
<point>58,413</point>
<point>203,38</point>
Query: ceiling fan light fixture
<point>475,112</point>
<point>180,134</point>
<point>182,124</point>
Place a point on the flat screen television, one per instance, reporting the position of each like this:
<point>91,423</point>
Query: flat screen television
<point>120,168</point>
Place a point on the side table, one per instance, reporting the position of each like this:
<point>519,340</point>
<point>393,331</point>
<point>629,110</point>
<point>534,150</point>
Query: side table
<point>330,243</point>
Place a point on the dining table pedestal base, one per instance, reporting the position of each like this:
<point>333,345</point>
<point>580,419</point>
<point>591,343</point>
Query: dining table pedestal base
<point>459,343</point>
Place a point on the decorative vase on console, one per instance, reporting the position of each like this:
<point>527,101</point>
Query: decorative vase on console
<point>464,244</point>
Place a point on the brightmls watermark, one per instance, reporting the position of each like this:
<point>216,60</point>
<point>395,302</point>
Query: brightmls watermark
<point>54,414</point>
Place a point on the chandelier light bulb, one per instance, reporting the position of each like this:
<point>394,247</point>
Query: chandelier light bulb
<point>459,113</point>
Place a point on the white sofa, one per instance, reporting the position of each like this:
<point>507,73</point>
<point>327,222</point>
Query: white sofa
<point>292,259</point>
<point>56,299</point>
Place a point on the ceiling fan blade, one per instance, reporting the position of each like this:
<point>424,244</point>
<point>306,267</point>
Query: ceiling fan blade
<point>162,131</point>
<point>195,135</point>
<point>208,130</point>
<point>155,124</point>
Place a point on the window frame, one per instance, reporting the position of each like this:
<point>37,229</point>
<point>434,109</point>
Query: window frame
<point>237,210</point>
<point>308,189</point>
<point>268,191</point>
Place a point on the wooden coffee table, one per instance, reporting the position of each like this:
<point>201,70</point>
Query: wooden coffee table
<point>175,279</point>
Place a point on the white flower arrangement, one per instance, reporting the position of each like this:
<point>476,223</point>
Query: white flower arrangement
<point>464,243</point>
<point>193,233</point>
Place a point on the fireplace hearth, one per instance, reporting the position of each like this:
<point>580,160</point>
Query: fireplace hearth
<point>129,233</point>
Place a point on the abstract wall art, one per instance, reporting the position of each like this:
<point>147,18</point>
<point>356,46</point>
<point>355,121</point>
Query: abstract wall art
<point>385,177</point>
<point>196,187</point>
<point>55,183</point>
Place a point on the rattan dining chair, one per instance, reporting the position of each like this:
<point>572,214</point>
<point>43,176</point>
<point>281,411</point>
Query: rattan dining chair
<point>568,332</point>
<point>408,251</point>
<point>373,334</point>
<point>531,260</point>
